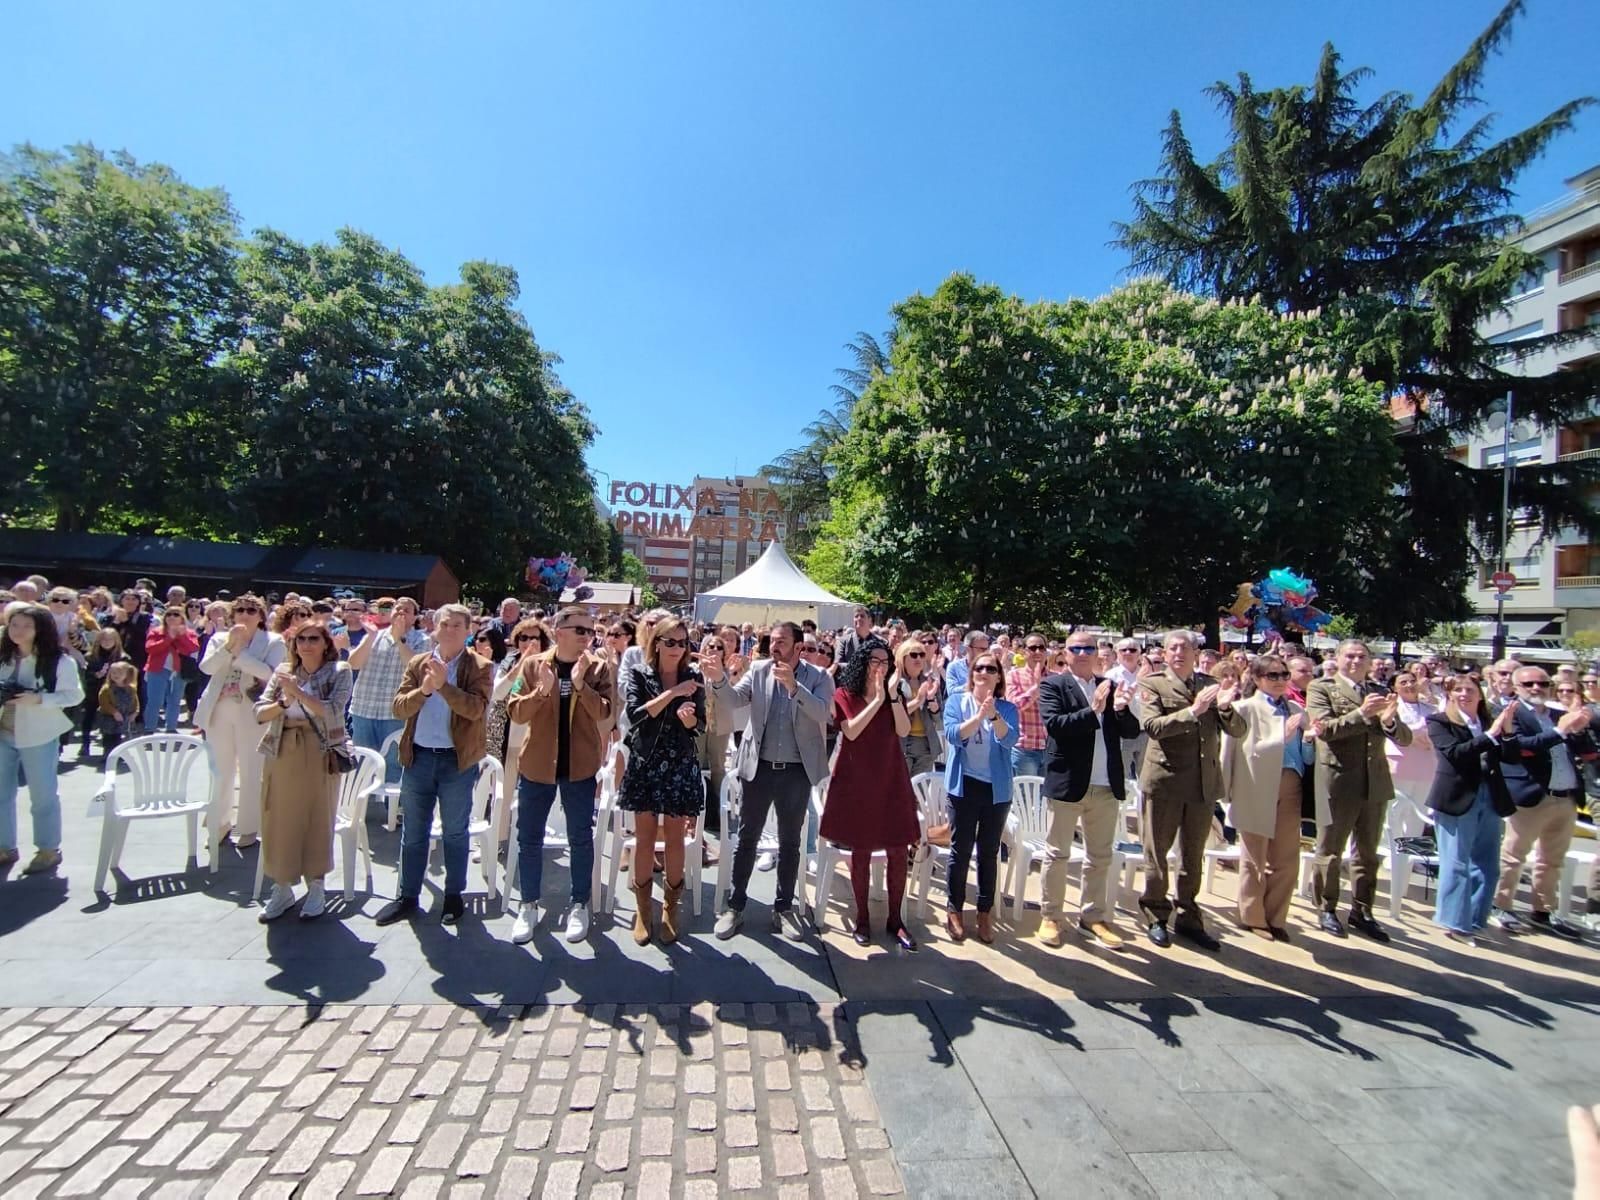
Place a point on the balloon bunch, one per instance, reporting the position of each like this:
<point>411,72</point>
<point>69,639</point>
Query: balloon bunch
<point>1277,605</point>
<point>555,575</point>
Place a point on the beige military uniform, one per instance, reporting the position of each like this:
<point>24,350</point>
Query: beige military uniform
<point>1181,778</point>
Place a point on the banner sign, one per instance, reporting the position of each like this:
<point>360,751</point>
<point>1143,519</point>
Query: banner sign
<point>667,510</point>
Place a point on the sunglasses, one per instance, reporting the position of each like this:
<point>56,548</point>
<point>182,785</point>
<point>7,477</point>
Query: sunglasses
<point>1536,683</point>
<point>1277,675</point>
<point>384,607</point>
<point>916,654</point>
<point>986,669</point>
<point>878,661</point>
<point>245,608</point>
<point>528,637</point>
<point>309,637</point>
<point>59,600</point>
<point>1034,649</point>
<point>617,633</point>
<point>1080,649</point>
<point>584,630</point>
<point>674,643</point>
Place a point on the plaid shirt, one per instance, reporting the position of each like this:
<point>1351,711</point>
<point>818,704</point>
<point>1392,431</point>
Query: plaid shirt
<point>379,680</point>
<point>1019,680</point>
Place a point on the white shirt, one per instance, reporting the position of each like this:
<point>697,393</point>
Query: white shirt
<point>1099,774</point>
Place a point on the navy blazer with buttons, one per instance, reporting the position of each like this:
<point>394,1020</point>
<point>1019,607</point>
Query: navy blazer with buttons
<point>1525,755</point>
<point>1071,725</point>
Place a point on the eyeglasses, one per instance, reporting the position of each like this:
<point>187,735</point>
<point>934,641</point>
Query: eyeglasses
<point>986,669</point>
<point>617,633</point>
<point>1080,649</point>
<point>384,607</point>
<point>583,630</point>
<point>1275,675</point>
<point>1128,650</point>
<point>1034,649</point>
<point>527,637</point>
<point>916,654</point>
<point>1566,690</point>
<point>878,660</point>
<point>59,600</point>
<point>1534,683</point>
<point>673,643</point>
<point>245,608</point>
<point>309,637</point>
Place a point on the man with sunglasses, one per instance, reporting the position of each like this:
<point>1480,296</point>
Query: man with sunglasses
<point>379,661</point>
<point>782,756</point>
<point>566,698</point>
<point>1540,759</point>
<point>1086,718</point>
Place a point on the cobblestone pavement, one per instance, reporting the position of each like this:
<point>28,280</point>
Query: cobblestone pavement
<point>420,1101</point>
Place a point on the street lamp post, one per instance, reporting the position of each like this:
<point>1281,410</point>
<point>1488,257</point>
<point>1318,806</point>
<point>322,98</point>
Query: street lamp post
<point>1505,522</point>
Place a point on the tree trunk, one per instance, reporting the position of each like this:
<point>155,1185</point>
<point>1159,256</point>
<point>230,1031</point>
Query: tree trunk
<point>1213,632</point>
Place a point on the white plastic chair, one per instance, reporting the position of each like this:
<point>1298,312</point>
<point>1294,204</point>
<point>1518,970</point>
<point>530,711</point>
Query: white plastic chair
<point>728,803</point>
<point>391,791</point>
<point>356,789</point>
<point>157,785</point>
<point>1569,872</point>
<point>622,843</point>
<point>929,788</point>
<point>488,793</point>
<point>1401,864</point>
<point>831,856</point>
<point>1029,823</point>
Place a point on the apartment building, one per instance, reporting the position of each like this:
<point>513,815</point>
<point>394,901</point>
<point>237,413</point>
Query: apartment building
<point>697,538</point>
<point>1558,583</point>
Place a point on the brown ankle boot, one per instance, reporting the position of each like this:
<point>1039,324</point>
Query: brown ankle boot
<point>643,897</point>
<point>670,895</point>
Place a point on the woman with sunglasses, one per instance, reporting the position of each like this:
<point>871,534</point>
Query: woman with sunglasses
<point>303,706</point>
<point>918,689</point>
<point>663,787</point>
<point>1261,779</point>
<point>528,636</point>
<point>870,803</point>
<point>238,662</point>
<point>980,729</point>
<point>165,648</point>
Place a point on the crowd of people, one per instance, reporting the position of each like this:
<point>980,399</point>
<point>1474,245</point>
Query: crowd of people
<point>1179,746</point>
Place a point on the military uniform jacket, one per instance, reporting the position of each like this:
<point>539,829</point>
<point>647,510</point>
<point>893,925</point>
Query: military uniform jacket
<point>1183,760</point>
<point>1351,764</point>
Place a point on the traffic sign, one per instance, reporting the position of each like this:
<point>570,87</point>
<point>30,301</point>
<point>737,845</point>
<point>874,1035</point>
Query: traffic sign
<point>1503,581</point>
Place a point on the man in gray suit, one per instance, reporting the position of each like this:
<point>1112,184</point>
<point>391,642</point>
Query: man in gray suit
<point>782,755</point>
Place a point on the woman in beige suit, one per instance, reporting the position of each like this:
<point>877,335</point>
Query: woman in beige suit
<point>1261,774</point>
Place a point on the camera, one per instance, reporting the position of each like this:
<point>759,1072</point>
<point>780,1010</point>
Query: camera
<point>10,690</point>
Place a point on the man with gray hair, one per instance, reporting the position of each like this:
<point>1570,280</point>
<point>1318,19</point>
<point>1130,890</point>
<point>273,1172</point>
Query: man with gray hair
<point>955,675</point>
<point>1185,714</point>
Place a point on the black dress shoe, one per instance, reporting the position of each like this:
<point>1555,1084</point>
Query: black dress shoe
<point>1329,923</point>
<point>1158,934</point>
<point>452,908</point>
<point>862,934</point>
<point>1198,935</point>
<point>396,910</point>
<point>903,939</point>
<point>1363,923</point>
<point>1279,933</point>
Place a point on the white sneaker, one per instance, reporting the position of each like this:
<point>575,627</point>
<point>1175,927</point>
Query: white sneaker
<point>1503,918</point>
<point>790,925</point>
<point>577,922</point>
<point>766,860</point>
<point>528,917</point>
<point>280,902</point>
<point>728,923</point>
<point>315,903</point>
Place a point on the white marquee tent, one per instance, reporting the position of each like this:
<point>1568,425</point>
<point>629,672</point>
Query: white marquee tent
<point>772,589</point>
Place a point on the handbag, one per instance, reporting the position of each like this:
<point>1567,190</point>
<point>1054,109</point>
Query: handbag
<point>189,668</point>
<point>337,757</point>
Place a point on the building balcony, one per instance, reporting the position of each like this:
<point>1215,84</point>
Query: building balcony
<point>1590,270</point>
<point>1579,455</point>
<point>1578,581</point>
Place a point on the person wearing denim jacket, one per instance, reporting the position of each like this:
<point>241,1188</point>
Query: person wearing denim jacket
<point>977,721</point>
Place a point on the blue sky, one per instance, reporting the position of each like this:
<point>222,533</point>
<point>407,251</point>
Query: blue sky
<point>706,201</point>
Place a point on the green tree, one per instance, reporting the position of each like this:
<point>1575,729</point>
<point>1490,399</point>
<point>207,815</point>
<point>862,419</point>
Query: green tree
<point>117,292</point>
<point>802,475</point>
<point>633,572</point>
<point>389,414</point>
<point>1448,638</point>
<point>1392,217</point>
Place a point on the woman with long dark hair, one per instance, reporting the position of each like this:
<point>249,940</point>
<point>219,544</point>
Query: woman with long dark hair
<point>980,729</point>
<point>1468,797</point>
<point>870,803</point>
<point>38,683</point>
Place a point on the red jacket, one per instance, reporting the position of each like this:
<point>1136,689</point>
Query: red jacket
<point>158,647</point>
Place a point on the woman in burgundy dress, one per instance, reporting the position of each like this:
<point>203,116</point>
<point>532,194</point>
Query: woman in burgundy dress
<point>870,802</point>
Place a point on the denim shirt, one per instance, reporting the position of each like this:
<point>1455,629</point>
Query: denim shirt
<point>959,709</point>
<point>433,722</point>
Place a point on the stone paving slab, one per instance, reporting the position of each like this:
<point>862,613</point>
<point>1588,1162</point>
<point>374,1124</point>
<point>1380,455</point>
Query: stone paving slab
<point>550,1100</point>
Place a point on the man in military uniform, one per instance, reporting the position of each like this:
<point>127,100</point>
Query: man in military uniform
<point>1185,714</point>
<point>1350,718</point>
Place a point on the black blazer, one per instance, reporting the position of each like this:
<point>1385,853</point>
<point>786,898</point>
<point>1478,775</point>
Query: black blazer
<point>1525,756</point>
<point>1465,761</point>
<point>1071,726</point>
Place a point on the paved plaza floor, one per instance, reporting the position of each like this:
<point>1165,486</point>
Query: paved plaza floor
<point>159,1041</point>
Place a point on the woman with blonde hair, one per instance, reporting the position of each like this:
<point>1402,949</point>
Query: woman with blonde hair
<point>237,664</point>
<point>663,788</point>
<point>917,688</point>
<point>303,707</point>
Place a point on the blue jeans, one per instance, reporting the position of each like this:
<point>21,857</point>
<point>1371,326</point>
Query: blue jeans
<point>370,732</point>
<point>1026,762</point>
<point>433,777</point>
<point>162,689</point>
<point>40,764</point>
<point>533,808</point>
<point>1469,864</point>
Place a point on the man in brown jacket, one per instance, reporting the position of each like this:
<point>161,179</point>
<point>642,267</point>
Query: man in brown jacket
<point>567,699</point>
<point>443,699</point>
<point>1185,714</point>
<point>1350,718</point>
